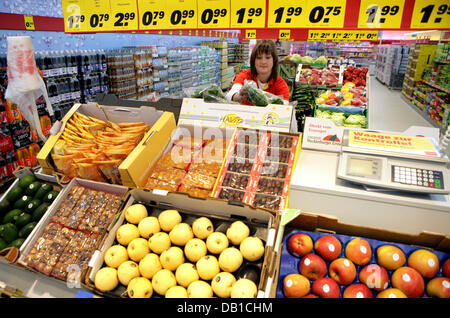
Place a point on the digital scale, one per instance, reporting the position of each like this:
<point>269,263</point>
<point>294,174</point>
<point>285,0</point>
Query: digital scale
<point>395,162</point>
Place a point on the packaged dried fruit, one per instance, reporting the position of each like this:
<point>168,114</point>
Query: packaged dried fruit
<point>236,180</point>
<point>274,169</point>
<point>160,185</point>
<point>267,201</point>
<point>231,194</point>
<point>248,137</point>
<point>240,165</point>
<point>281,141</point>
<point>189,142</point>
<point>270,186</point>
<point>168,174</point>
<point>194,191</point>
<point>195,179</point>
<point>178,157</point>
<point>211,169</point>
<point>277,155</point>
<point>245,151</point>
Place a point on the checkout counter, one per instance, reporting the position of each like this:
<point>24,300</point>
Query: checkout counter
<point>316,187</point>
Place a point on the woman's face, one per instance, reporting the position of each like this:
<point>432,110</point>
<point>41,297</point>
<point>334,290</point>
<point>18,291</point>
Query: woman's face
<point>263,64</point>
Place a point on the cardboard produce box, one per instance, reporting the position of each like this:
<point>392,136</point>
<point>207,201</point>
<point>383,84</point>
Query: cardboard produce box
<point>40,202</point>
<point>65,238</point>
<point>261,224</point>
<point>161,124</point>
<point>317,225</point>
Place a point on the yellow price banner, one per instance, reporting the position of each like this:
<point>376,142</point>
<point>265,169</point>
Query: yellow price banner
<point>431,14</point>
<point>182,14</point>
<point>381,14</point>
<point>284,35</point>
<point>96,16</point>
<point>330,16</point>
<point>250,34</point>
<point>251,13</point>
<point>124,15</point>
<point>213,14</point>
<point>29,22</point>
<point>74,20</point>
<point>342,36</point>
<point>152,14</point>
<point>286,13</point>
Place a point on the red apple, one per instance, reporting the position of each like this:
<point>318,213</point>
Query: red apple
<point>391,293</point>
<point>358,251</point>
<point>446,268</point>
<point>357,291</point>
<point>310,296</point>
<point>343,271</point>
<point>374,276</point>
<point>300,244</point>
<point>390,257</point>
<point>328,247</point>
<point>409,281</point>
<point>296,286</point>
<point>439,287</point>
<point>425,262</point>
<point>326,288</point>
<point>313,266</point>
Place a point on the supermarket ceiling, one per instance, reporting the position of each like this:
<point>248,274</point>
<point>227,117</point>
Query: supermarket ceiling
<point>252,19</point>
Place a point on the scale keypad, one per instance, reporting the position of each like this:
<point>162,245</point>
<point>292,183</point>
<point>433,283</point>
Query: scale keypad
<point>418,177</point>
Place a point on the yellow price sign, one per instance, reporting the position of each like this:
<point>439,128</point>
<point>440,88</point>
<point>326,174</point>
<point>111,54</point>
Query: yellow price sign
<point>342,36</point>
<point>251,13</point>
<point>284,35</point>
<point>330,16</point>
<point>152,15</point>
<point>96,16</point>
<point>182,14</point>
<point>29,22</point>
<point>286,13</point>
<point>431,14</point>
<point>124,15</point>
<point>74,19</point>
<point>381,14</point>
<point>250,34</point>
<point>213,14</point>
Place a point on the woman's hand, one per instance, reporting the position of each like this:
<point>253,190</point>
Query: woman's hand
<point>241,95</point>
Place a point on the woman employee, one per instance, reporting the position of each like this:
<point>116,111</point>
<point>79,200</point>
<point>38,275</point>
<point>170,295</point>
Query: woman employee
<point>263,70</point>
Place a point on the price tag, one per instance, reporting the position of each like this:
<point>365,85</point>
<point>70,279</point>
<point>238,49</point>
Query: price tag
<point>250,34</point>
<point>245,14</point>
<point>342,36</point>
<point>96,16</point>
<point>74,20</point>
<point>123,15</point>
<point>29,22</point>
<point>330,16</point>
<point>431,14</point>
<point>286,13</point>
<point>182,14</point>
<point>213,14</point>
<point>153,15</point>
<point>284,35</point>
<point>381,14</point>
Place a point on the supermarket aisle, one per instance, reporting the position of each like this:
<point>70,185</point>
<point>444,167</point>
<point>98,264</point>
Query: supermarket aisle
<point>389,111</point>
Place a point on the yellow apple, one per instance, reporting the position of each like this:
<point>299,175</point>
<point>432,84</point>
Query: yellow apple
<point>207,267</point>
<point>140,287</point>
<point>252,248</point>
<point>159,242</point>
<point>127,271</point>
<point>148,226</point>
<point>149,265</point>
<point>244,288</point>
<point>222,284</point>
<point>162,281</point>
<point>195,249</point>
<point>216,242</point>
<point>199,289</point>
<point>181,234</point>
<point>116,255</point>
<point>425,262</point>
<point>137,249</point>
<point>391,293</point>
<point>237,232</point>
<point>106,279</point>
<point>135,213</point>
<point>185,274</point>
<point>230,259</point>
<point>168,219</point>
<point>202,227</point>
<point>390,257</point>
<point>172,258</point>
<point>176,292</point>
<point>126,233</point>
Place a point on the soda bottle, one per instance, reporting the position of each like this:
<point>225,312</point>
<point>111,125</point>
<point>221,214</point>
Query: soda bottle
<point>103,60</point>
<point>3,169</point>
<point>6,142</point>
<point>11,163</point>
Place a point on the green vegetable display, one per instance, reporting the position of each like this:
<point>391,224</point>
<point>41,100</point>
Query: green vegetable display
<point>256,96</point>
<point>340,119</point>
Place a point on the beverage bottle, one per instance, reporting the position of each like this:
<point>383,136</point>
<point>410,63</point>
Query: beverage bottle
<point>61,63</point>
<point>6,142</point>
<point>46,64</point>
<point>3,169</point>
<point>11,163</point>
<point>103,59</point>
<point>73,62</point>
<point>76,94</point>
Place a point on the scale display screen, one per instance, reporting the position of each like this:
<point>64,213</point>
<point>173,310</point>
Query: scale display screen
<point>361,166</point>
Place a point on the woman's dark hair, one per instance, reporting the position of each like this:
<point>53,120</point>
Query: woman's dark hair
<point>267,47</point>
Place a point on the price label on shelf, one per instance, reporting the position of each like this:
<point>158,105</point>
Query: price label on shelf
<point>284,35</point>
<point>153,15</point>
<point>286,13</point>
<point>330,16</point>
<point>74,18</point>
<point>213,14</point>
<point>182,14</point>
<point>29,22</point>
<point>381,14</point>
<point>248,14</point>
<point>123,15</point>
<point>431,14</point>
<point>342,36</point>
<point>250,34</point>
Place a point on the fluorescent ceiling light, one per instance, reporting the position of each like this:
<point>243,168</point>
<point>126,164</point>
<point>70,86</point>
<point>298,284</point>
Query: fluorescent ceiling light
<point>420,32</point>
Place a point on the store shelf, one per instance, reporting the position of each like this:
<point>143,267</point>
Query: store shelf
<point>446,90</point>
<point>420,112</point>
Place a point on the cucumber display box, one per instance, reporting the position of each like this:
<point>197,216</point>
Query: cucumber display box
<point>22,207</point>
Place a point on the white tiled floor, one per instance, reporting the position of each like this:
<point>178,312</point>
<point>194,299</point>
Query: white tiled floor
<point>389,111</point>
